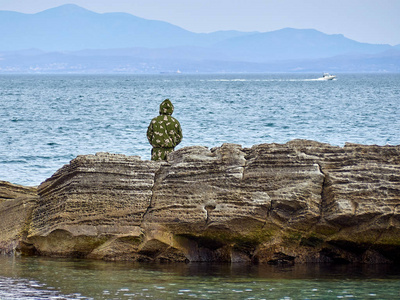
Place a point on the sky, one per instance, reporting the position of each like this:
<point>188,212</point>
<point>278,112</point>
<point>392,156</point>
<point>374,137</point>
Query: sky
<point>368,21</point>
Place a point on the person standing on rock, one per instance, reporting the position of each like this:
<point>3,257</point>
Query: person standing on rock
<point>164,132</point>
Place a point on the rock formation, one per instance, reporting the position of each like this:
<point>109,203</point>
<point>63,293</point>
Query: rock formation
<point>302,201</point>
<point>16,206</point>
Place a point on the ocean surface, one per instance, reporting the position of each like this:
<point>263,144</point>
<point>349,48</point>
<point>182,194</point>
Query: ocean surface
<point>32,278</point>
<point>47,120</point>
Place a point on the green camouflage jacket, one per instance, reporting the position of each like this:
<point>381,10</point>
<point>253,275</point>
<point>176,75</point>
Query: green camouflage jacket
<point>164,132</point>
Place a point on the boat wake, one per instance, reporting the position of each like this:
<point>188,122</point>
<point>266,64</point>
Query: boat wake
<point>268,80</point>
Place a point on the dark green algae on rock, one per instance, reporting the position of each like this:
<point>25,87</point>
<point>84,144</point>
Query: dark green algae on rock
<point>298,202</point>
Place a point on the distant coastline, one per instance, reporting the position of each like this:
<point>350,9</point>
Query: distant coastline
<point>134,45</point>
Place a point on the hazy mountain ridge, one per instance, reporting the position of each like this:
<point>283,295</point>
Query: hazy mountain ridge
<point>89,42</point>
<point>289,43</point>
<point>70,28</point>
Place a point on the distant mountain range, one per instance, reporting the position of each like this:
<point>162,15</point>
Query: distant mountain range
<point>72,39</point>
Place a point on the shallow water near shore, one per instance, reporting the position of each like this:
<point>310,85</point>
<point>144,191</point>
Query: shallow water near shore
<point>47,120</point>
<point>45,278</point>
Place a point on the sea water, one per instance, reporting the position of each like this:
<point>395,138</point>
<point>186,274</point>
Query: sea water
<point>43,278</point>
<point>47,120</point>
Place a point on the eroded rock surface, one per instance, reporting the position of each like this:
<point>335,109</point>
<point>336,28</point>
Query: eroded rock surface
<point>302,201</point>
<point>16,205</point>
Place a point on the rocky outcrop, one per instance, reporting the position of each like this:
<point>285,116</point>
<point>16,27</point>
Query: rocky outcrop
<point>16,206</point>
<point>302,201</point>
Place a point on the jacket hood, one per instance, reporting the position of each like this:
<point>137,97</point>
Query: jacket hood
<point>166,107</point>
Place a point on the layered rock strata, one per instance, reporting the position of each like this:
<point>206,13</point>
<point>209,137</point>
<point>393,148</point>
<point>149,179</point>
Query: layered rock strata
<point>302,201</point>
<point>16,206</point>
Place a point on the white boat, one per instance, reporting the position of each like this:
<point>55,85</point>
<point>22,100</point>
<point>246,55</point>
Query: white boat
<point>327,76</point>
